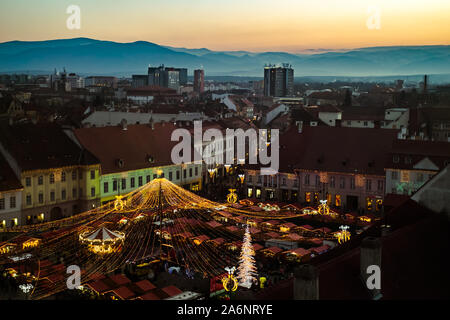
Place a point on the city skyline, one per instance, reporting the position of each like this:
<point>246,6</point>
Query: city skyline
<point>330,25</point>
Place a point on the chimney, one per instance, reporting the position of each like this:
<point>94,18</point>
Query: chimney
<point>370,256</point>
<point>306,283</point>
<point>123,123</point>
<point>299,126</point>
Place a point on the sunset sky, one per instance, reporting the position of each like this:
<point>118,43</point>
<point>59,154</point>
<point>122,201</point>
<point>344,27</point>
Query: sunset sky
<point>254,25</point>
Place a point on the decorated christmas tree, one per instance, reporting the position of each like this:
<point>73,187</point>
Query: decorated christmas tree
<point>246,272</point>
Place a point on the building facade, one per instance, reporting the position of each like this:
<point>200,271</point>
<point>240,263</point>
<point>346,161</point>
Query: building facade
<point>59,178</point>
<point>278,81</point>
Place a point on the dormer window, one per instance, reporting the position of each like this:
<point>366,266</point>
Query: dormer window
<point>120,163</point>
<point>396,159</point>
<point>408,160</point>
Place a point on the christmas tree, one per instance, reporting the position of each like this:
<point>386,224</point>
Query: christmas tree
<point>247,269</point>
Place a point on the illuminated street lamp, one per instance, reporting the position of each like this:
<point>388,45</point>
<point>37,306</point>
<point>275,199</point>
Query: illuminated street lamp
<point>241,177</point>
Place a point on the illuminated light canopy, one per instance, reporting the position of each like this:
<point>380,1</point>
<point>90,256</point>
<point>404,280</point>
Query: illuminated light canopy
<point>232,196</point>
<point>241,177</point>
<point>343,235</point>
<point>323,207</point>
<point>230,283</point>
<point>102,240</point>
<point>119,204</point>
<point>211,172</point>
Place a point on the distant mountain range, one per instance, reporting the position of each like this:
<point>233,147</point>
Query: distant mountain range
<point>90,56</point>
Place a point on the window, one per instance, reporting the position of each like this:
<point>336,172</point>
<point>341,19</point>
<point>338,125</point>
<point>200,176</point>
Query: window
<point>396,159</point>
<point>2,204</point>
<point>296,182</point>
<point>259,179</point>
<point>28,181</point>
<point>63,194</point>
<point>80,192</point>
<point>124,184</point>
<point>332,182</point>
<point>284,181</point>
<point>140,181</point>
<point>12,202</point>
<point>394,175</point>
<point>380,185</point>
<point>249,192</point>
<point>317,180</point>
<point>80,175</point>
<point>154,176</point>
<point>184,173</point>
<point>190,172</point>
<point>92,174</point>
<point>307,179</point>
<point>147,178</point>
<point>105,187</point>
<point>308,197</point>
<point>196,171</point>
<point>93,192</point>
<point>342,183</point>
<point>408,160</point>
<point>52,195</point>
<point>132,183</point>
<point>41,197</point>
<point>63,176</point>
<point>338,200</point>
<point>74,175</point>
<point>40,180</point>
<point>114,185</point>
<point>170,175</point>
<point>352,183</point>
<point>28,200</point>
<point>52,178</point>
<point>250,179</point>
<point>74,193</point>
<point>368,184</point>
<point>365,123</point>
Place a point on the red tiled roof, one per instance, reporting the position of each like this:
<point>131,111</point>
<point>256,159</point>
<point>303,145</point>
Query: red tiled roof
<point>99,286</point>
<point>133,146</point>
<point>272,234</point>
<point>145,285</point>
<point>293,236</point>
<point>119,279</point>
<point>123,293</point>
<point>274,250</point>
<point>150,296</point>
<point>336,149</point>
<point>438,152</point>
<point>172,290</point>
<point>214,224</point>
<point>257,247</point>
<point>42,146</point>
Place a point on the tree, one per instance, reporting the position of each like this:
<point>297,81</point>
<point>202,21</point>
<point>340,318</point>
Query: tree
<point>247,271</point>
